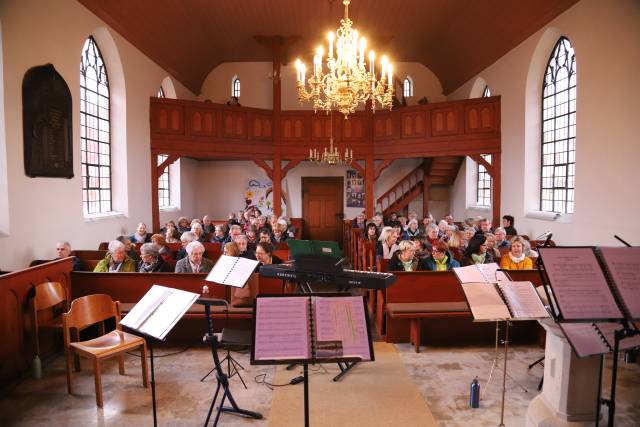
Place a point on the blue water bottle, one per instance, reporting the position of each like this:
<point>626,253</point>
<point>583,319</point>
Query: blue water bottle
<point>474,396</point>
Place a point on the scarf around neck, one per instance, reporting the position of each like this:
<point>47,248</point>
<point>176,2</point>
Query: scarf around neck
<point>478,259</point>
<point>517,260</point>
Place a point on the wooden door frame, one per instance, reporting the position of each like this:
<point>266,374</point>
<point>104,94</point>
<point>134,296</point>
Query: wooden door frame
<point>306,179</point>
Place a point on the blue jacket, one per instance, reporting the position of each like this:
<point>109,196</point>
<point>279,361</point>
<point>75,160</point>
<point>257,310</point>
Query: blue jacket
<point>430,264</point>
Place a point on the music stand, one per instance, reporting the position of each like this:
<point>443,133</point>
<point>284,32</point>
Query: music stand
<point>153,317</point>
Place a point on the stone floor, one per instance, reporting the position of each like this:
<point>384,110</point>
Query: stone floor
<point>442,375</point>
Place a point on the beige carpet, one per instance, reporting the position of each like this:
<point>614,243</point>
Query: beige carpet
<point>379,393</point>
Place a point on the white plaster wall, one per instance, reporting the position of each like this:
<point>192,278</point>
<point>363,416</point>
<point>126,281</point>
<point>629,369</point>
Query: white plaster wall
<point>45,210</point>
<point>257,86</point>
<point>605,36</point>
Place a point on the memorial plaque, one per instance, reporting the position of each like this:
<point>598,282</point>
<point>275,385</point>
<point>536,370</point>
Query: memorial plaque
<point>46,120</point>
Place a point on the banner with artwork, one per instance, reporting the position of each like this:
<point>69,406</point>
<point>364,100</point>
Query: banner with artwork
<point>259,193</point>
<point>355,189</point>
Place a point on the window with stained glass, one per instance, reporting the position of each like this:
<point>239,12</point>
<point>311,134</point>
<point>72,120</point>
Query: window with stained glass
<point>558,154</point>
<point>95,132</point>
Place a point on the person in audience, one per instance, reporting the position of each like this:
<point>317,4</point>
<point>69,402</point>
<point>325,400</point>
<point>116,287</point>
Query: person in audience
<point>378,221</point>
<point>196,228</point>
<point>403,223</point>
<point>186,238</point>
<point>483,226</point>
<point>467,235</point>
<point>508,225</point>
<point>516,259</point>
<point>218,235</point>
<point>491,246</point>
<point>426,221</point>
<point>170,227</point>
<point>476,252</point>
<point>129,248</point>
<point>207,225</point>
<point>448,232</point>
<point>141,235</point>
<point>151,261</point>
<point>450,220</point>
<point>412,215</point>
<point>279,232</point>
<point>262,223</point>
<point>371,233</point>
<point>387,243</point>
<point>251,234</point>
<point>231,249</point>
<point>63,249</point>
<point>245,220</point>
<point>392,219</point>
<point>245,251</point>
<point>265,235</point>
<point>431,233</point>
<point>455,243</point>
<point>404,259</point>
<point>183,225</point>
<point>165,252</point>
<point>232,220</point>
<point>116,260</point>
<point>359,221</point>
<point>441,259</point>
<point>412,232</point>
<point>234,231</point>
<point>273,220</point>
<point>442,229</point>
<point>422,248</point>
<point>291,229</point>
<point>194,262</point>
<point>501,238</point>
<point>264,254</point>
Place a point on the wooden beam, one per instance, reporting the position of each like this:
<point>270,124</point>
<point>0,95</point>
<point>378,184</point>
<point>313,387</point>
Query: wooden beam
<point>355,165</point>
<point>171,158</point>
<point>488,166</point>
<point>292,164</point>
<point>369,180</point>
<point>426,185</point>
<point>261,163</point>
<point>385,163</point>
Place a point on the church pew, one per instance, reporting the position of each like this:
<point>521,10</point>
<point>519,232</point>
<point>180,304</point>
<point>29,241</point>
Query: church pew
<point>16,321</point>
<point>433,287</point>
<point>129,288</point>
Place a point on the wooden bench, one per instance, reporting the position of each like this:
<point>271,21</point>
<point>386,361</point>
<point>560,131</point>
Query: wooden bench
<point>416,311</point>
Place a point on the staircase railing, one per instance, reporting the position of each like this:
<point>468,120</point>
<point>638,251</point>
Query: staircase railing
<point>400,190</point>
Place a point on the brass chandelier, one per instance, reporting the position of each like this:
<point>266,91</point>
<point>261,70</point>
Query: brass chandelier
<point>347,82</point>
<point>331,156</point>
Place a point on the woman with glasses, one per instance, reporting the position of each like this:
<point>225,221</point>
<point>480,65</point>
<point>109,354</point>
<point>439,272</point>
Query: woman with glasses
<point>441,259</point>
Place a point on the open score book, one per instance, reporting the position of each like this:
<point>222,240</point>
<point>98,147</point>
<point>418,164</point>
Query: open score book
<point>305,328</point>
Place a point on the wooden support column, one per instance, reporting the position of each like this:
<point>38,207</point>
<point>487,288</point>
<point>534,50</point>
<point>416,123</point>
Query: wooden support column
<point>369,180</point>
<point>496,162</point>
<point>426,184</point>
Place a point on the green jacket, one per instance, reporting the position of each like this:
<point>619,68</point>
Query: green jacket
<point>128,265</point>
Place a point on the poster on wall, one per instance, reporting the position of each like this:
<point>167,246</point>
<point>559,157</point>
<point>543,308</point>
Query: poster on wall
<point>355,189</point>
<point>259,193</point>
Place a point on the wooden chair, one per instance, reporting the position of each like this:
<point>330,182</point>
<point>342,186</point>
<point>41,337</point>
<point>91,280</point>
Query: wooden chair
<point>89,310</point>
<point>48,295</point>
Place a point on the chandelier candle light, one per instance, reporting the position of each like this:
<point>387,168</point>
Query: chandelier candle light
<point>347,82</point>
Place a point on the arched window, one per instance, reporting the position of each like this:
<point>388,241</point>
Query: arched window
<point>164,193</point>
<point>160,93</point>
<point>487,92</point>
<point>235,87</point>
<point>95,131</point>
<point>484,183</point>
<point>407,87</point>
<point>559,130</point>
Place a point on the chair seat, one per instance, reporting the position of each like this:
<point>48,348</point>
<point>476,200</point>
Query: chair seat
<point>114,341</point>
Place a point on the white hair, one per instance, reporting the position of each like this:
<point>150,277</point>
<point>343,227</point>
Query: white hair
<point>406,244</point>
<point>413,221</point>
<point>150,249</point>
<point>196,225</point>
<point>195,244</point>
<point>65,244</point>
<point>188,236</point>
<point>431,226</point>
<point>115,245</point>
<point>385,233</point>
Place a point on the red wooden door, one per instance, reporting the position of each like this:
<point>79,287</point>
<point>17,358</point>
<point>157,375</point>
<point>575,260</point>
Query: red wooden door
<point>322,208</point>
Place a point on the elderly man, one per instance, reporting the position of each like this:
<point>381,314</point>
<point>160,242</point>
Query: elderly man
<point>151,261</point>
<point>116,260</point>
<point>141,235</point>
<point>195,261</point>
<point>128,248</point>
<point>207,225</point>
<point>185,239</point>
<point>63,249</point>
<point>243,245</point>
<point>234,231</point>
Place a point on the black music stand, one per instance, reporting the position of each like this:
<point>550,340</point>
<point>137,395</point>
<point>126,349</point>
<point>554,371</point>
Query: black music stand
<point>314,359</point>
<point>222,378</point>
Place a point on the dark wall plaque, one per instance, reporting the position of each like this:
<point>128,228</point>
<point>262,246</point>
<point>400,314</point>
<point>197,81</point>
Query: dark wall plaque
<point>46,121</point>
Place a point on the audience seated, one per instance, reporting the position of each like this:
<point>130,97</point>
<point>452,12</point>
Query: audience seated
<point>264,254</point>
<point>491,245</point>
<point>183,225</point>
<point>508,224</point>
<point>63,249</point>
<point>431,233</point>
<point>245,250</point>
<point>456,244</point>
<point>412,232</point>
<point>218,235</point>
<point>186,238</point>
<point>404,259</point>
<point>265,235</point>
<point>441,259</point>
<point>359,221</point>
<point>231,249</point>
<point>483,226</point>
<point>196,228</point>
<point>387,242</point>
<point>501,238</point>
<point>116,260</point>
<point>251,233</point>
<point>171,233</point>
<point>476,252</point>
<point>234,230</point>
<point>516,258</point>
<point>141,235</point>
<point>207,225</point>
<point>371,233</point>
<point>151,261</point>
<point>165,252</point>
<point>128,247</point>
<point>194,262</point>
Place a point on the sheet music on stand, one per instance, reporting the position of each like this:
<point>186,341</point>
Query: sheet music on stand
<point>232,271</point>
<point>159,310</point>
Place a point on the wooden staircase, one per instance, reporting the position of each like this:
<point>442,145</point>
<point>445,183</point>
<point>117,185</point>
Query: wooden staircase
<point>439,171</point>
